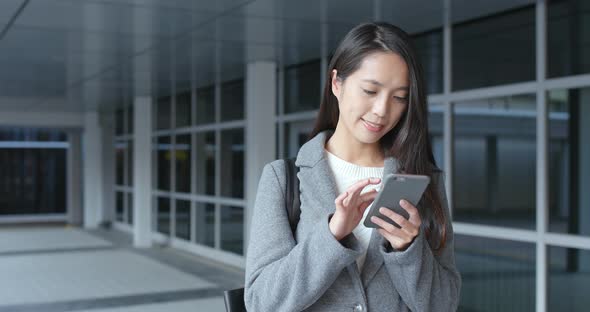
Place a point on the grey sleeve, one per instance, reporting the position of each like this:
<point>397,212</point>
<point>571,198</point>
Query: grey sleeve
<point>425,281</point>
<point>280,274</point>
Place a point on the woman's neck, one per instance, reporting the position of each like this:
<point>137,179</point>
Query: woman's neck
<point>353,151</point>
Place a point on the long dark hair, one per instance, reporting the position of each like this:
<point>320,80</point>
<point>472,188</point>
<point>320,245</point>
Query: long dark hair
<point>408,141</point>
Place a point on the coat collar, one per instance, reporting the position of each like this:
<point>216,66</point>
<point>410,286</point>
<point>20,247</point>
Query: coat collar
<point>312,155</point>
<point>313,151</point>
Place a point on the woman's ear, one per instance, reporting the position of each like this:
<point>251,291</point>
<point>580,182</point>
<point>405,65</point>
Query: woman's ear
<point>336,84</point>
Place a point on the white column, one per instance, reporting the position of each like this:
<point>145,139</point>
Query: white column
<point>74,178</point>
<point>260,117</point>
<point>142,172</point>
<point>108,163</point>
<point>142,130</point>
<point>93,170</point>
<point>542,185</point>
<point>448,117</point>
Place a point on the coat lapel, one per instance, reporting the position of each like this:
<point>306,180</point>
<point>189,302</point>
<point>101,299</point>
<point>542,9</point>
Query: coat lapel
<point>319,182</point>
<point>315,176</point>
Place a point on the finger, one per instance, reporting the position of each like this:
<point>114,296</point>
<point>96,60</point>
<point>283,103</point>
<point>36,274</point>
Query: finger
<point>412,211</point>
<point>393,240</point>
<point>356,188</point>
<point>340,198</point>
<point>392,229</point>
<point>369,196</point>
<point>406,226</point>
<point>397,218</point>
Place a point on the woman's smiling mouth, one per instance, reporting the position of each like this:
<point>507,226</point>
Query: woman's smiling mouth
<point>373,127</point>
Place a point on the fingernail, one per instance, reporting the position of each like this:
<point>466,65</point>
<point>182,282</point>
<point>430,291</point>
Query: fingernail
<point>382,210</point>
<point>402,202</point>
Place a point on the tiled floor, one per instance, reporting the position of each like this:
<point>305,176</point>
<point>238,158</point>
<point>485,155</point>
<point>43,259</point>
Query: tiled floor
<point>14,240</point>
<point>212,304</point>
<point>67,269</point>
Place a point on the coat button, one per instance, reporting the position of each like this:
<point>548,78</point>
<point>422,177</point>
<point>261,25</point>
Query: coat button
<point>358,308</point>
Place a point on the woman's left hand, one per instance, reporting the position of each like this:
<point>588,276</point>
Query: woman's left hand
<point>399,238</point>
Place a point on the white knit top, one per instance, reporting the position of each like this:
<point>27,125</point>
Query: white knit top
<point>345,175</point>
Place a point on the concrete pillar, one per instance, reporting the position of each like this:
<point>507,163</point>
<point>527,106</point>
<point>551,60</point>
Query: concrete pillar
<point>142,172</point>
<point>142,130</point>
<point>108,160</point>
<point>260,117</point>
<point>74,178</point>
<point>93,170</point>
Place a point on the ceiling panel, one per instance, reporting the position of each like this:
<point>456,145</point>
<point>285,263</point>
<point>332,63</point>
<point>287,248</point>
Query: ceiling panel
<point>207,6</point>
<point>79,55</point>
<point>93,17</point>
<point>7,10</point>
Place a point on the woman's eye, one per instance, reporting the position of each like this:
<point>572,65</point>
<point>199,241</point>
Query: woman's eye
<point>369,92</point>
<point>400,98</point>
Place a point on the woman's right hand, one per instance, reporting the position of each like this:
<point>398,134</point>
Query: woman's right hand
<point>350,207</point>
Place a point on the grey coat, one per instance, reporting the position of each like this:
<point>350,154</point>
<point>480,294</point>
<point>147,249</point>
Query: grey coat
<point>315,272</point>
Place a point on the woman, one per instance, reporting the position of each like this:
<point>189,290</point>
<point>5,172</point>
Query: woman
<point>372,121</point>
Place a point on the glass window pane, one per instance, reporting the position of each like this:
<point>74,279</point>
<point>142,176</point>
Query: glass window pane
<point>232,158</point>
<point>205,224</point>
<point>232,100</point>
<point>205,105</point>
<point>183,109</point>
<point>278,153</point>
<point>120,162</point>
<point>232,229</point>
<point>568,39</point>
<point>296,134</point>
<point>436,128</point>
<point>163,216</point>
<point>205,179</point>
<point>494,50</point>
<point>130,208</point>
<point>182,155</point>
<point>119,207</point>
<point>130,119</point>
<point>495,161</point>
<point>569,277</point>
<point>569,170</point>
<point>164,174</point>
<point>163,113</point>
<point>302,87</point>
<point>497,275</point>
<point>32,180</point>
<point>119,119</point>
<point>129,163</point>
<point>429,47</point>
<point>183,219</point>
<point>45,135</point>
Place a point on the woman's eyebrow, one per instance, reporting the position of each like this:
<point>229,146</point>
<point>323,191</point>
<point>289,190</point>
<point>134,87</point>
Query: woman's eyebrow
<point>375,82</point>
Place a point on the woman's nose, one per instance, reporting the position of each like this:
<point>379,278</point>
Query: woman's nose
<point>380,107</point>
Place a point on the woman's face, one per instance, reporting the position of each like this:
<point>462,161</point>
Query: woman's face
<point>373,98</point>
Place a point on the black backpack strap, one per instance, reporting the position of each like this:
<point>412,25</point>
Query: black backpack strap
<point>234,299</point>
<point>292,201</point>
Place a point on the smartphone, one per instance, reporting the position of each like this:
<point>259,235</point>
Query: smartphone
<point>395,188</point>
